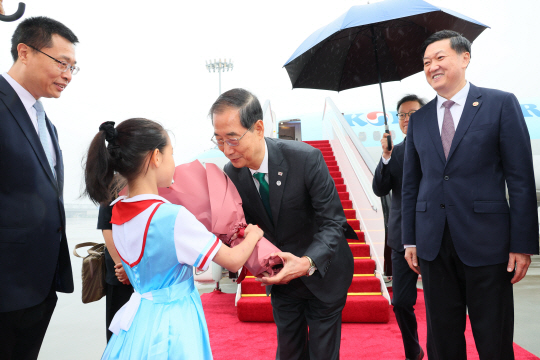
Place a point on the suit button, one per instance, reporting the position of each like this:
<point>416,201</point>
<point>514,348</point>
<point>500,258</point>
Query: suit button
<point>447,178</point>
<point>59,229</point>
<point>442,206</point>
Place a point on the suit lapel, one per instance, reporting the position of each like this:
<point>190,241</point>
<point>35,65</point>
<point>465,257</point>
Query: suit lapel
<point>17,110</point>
<point>254,199</point>
<point>433,128</point>
<point>469,112</point>
<point>277,177</point>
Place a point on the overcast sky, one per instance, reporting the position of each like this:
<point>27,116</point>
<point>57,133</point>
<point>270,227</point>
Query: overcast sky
<point>147,59</point>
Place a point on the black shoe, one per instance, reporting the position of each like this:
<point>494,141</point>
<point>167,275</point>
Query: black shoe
<point>419,357</point>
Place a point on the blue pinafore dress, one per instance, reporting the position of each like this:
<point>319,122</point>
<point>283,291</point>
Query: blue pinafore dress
<point>164,318</point>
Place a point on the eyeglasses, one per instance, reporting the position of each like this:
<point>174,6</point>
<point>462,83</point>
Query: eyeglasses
<point>62,65</point>
<point>231,141</point>
<point>403,116</point>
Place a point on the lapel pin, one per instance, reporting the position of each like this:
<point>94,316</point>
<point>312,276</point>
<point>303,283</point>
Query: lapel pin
<point>475,103</point>
<point>278,183</point>
<point>280,173</point>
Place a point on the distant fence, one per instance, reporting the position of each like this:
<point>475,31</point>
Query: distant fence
<point>81,210</point>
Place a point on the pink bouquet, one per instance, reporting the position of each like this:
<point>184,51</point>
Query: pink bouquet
<point>210,195</point>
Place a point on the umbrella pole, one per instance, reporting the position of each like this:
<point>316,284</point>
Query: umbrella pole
<point>386,129</point>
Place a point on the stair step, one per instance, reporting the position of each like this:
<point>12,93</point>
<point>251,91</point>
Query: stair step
<point>327,153</point>
<point>358,309</point>
<point>333,168</point>
<point>366,309</point>
<point>311,142</point>
<point>343,195</point>
<point>360,250</point>
<point>256,309</point>
<point>335,174</point>
<point>362,284</point>
<point>341,188</point>
<point>361,238</point>
<point>331,163</point>
<point>364,266</point>
<point>252,286</point>
<point>347,204</point>
<point>338,181</point>
<point>355,224</point>
<point>349,213</point>
<point>329,158</point>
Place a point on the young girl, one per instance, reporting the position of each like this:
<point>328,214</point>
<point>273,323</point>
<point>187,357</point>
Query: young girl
<point>158,242</point>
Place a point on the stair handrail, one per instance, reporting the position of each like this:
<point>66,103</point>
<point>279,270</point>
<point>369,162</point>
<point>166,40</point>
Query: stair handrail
<point>350,155</point>
<point>269,119</point>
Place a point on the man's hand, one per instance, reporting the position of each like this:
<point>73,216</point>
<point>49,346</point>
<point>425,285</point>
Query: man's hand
<point>412,259</point>
<point>293,267</point>
<point>384,142</point>
<point>121,274</point>
<point>521,263</point>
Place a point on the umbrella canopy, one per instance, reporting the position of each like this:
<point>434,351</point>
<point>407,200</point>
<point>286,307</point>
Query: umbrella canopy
<point>373,43</point>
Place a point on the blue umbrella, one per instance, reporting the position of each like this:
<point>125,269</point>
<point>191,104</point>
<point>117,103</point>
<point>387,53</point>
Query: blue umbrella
<point>372,44</point>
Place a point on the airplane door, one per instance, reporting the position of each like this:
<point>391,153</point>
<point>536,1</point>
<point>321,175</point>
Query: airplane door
<point>290,130</point>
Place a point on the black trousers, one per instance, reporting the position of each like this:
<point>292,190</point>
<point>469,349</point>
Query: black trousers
<point>452,288</point>
<point>403,300</point>
<point>295,310</point>
<point>117,296</point>
<point>22,331</point>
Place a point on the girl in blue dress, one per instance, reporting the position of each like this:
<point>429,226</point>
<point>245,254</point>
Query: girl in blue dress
<point>158,242</point>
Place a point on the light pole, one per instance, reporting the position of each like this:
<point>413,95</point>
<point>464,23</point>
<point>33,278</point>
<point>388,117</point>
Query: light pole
<point>219,66</point>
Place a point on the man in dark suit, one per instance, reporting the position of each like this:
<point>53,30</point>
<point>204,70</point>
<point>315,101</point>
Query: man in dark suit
<point>470,243</point>
<point>388,177</point>
<point>34,255</point>
<point>287,190</point>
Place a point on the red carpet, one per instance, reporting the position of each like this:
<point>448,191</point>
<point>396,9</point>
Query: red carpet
<point>232,339</point>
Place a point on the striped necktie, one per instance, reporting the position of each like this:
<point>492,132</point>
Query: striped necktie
<point>44,134</point>
<point>264,192</point>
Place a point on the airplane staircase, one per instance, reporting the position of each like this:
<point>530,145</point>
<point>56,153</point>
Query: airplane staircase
<point>365,301</point>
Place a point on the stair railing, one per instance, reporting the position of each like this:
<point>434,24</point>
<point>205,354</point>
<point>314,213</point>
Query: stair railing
<point>269,119</point>
<point>357,169</point>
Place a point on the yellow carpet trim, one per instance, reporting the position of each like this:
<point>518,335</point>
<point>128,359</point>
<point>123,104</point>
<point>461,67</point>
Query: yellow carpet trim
<point>364,275</point>
<point>364,293</point>
<point>362,258</point>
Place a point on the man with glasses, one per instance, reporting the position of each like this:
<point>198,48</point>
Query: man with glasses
<point>388,177</point>
<point>34,255</point>
<point>287,190</point>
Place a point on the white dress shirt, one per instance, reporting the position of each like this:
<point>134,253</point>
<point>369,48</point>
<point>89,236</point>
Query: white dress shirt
<point>28,101</point>
<point>457,109</point>
<point>263,168</point>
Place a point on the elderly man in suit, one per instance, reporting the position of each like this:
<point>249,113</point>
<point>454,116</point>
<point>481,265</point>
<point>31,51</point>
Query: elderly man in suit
<point>470,244</point>
<point>388,177</point>
<point>287,190</point>
<point>34,256</point>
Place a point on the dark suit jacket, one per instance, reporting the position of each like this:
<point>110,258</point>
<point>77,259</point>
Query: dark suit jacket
<point>33,246</point>
<point>307,212</point>
<point>491,146</point>
<point>390,177</point>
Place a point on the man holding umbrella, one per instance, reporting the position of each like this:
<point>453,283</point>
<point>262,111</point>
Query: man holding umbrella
<point>389,177</point>
<point>458,228</point>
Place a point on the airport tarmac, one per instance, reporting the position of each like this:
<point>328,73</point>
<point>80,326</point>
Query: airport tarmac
<point>77,330</point>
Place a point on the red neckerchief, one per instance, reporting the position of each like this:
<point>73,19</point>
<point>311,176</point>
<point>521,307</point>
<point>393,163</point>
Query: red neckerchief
<point>124,211</point>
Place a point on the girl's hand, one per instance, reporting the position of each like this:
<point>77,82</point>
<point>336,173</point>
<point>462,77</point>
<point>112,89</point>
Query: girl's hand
<point>253,229</point>
<point>121,274</point>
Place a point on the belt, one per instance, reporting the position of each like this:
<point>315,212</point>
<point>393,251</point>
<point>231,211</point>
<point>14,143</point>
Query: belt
<point>124,317</point>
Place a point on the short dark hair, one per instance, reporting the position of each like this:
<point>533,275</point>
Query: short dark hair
<point>126,153</point>
<point>458,42</point>
<point>37,32</point>
<point>410,97</point>
<point>247,104</point>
